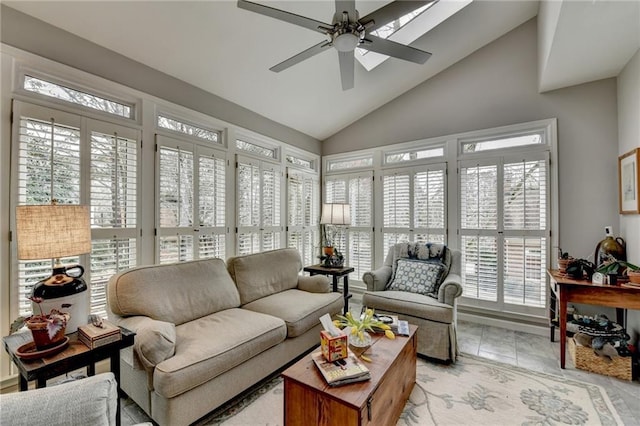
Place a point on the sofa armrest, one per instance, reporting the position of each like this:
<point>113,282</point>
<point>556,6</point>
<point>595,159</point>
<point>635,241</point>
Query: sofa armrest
<point>89,401</point>
<point>314,284</point>
<point>155,340</point>
<point>377,280</point>
<point>450,289</point>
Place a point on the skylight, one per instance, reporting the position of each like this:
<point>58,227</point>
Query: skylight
<point>410,27</point>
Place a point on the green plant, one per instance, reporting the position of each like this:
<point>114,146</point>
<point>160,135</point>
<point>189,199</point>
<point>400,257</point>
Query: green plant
<point>366,322</point>
<point>614,266</point>
<point>55,319</point>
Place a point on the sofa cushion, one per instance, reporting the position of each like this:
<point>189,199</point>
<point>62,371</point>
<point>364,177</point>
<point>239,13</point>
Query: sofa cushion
<point>189,290</point>
<point>417,276</point>
<point>299,309</point>
<point>262,274</point>
<point>209,346</point>
<point>416,305</point>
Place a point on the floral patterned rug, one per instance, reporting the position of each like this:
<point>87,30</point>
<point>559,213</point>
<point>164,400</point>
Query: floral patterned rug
<point>473,391</point>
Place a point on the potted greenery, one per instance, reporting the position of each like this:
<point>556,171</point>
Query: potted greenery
<point>47,329</point>
<point>613,266</point>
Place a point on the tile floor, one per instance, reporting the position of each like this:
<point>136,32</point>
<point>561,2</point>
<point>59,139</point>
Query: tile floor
<point>526,350</point>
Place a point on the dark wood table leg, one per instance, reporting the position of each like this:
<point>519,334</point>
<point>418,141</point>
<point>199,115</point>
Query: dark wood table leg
<point>115,369</point>
<point>345,292</point>
<point>91,369</point>
<point>41,382</point>
<point>335,283</point>
<point>24,385</point>
<point>563,326</point>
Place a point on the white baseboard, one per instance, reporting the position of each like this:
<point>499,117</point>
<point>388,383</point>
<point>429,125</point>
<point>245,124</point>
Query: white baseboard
<point>509,325</point>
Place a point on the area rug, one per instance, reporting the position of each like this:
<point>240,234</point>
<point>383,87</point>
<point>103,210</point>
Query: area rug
<point>474,391</point>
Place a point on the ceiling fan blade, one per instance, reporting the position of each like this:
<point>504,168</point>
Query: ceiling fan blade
<point>289,17</point>
<point>306,54</point>
<point>392,11</point>
<point>346,69</point>
<point>397,50</point>
<point>348,6</point>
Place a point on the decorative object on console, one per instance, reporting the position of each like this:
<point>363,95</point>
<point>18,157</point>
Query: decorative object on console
<point>616,269</point>
<point>563,260</point>
<point>609,246</point>
<point>629,182</point>
<point>55,231</point>
<point>334,216</point>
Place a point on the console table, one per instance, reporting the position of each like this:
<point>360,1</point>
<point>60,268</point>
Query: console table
<point>566,290</point>
<point>336,273</point>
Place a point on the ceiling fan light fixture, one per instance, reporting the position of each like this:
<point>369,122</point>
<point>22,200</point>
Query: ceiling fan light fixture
<point>346,42</point>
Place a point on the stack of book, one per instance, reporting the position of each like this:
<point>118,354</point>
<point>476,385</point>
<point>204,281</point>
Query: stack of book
<point>346,370</point>
<point>95,336</point>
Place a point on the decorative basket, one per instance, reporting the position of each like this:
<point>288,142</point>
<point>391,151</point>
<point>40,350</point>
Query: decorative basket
<point>584,359</point>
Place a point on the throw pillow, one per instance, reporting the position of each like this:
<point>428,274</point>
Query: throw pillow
<point>417,276</point>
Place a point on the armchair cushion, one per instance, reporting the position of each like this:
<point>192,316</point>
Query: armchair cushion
<point>417,276</point>
<point>429,252</point>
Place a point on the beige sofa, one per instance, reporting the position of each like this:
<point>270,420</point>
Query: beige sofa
<point>202,338</point>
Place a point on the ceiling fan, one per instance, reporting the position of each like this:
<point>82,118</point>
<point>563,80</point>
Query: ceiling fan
<point>347,32</point>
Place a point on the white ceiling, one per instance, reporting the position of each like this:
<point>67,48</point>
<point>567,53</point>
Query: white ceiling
<point>228,51</point>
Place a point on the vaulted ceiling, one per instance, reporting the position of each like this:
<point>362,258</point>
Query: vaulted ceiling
<point>227,51</point>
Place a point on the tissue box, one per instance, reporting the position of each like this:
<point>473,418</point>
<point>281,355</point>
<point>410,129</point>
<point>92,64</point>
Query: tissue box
<point>333,348</point>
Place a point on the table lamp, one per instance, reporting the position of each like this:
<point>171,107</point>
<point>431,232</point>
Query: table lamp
<point>334,215</point>
<point>55,231</point>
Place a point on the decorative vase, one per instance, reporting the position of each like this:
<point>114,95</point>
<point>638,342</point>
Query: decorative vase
<point>41,337</point>
<point>360,340</point>
<point>563,263</point>
<point>634,276</point>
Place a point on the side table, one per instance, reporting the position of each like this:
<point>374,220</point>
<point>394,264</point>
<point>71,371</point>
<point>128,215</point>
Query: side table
<point>75,355</point>
<point>335,273</point>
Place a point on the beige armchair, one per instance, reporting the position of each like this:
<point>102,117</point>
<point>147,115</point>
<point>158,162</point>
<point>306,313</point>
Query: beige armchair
<point>429,305</point>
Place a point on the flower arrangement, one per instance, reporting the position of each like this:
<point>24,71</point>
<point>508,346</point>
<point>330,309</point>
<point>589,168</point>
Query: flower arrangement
<point>55,322</point>
<point>367,322</point>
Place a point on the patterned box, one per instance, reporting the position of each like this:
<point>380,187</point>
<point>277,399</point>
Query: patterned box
<point>333,348</point>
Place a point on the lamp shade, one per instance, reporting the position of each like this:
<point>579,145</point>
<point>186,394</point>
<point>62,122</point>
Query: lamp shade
<point>336,214</point>
<point>52,231</point>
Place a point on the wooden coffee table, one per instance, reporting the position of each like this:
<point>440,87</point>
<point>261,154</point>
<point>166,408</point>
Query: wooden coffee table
<point>309,400</point>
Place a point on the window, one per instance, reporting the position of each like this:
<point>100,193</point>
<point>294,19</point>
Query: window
<point>351,163</point>
<point>413,205</point>
<point>303,200</point>
<point>49,163</point>
<point>504,230</point>
<point>189,129</point>
<point>191,201</point>
<point>256,149</point>
<point>357,239</point>
<point>57,91</point>
<point>413,154</point>
<point>512,141</point>
<point>258,185</point>
<point>300,162</point>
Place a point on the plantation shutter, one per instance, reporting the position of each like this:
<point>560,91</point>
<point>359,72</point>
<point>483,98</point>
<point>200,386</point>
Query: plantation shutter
<point>191,181</point>
<point>356,240</point>
<point>303,212</point>
<point>114,206</point>
<point>413,205</point>
<point>106,178</point>
<point>258,205</point>
<point>504,229</point>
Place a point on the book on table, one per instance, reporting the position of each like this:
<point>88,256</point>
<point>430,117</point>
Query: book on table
<point>347,370</point>
<point>95,336</point>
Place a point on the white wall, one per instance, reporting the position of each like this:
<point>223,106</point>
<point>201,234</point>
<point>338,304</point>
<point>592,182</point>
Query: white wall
<point>628,139</point>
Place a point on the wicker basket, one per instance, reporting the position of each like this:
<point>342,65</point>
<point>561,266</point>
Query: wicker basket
<point>584,359</point>
<point>634,276</point>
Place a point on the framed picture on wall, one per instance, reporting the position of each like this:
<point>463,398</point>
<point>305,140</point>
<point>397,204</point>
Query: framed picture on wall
<point>629,182</point>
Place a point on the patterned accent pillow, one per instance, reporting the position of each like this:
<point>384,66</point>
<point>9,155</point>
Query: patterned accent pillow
<point>417,276</point>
